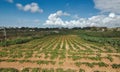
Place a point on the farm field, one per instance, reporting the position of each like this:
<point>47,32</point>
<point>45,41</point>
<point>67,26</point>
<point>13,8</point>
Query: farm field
<point>60,53</point>
<point>60,36</point>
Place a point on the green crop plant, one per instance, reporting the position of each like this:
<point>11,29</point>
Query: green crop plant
<point>70,70</point>
<point>35,70</point>
<point>81,70</point>
<point>110,58</point>
<point>26,70</point>
<point>61,63</point>
<point>59,70</point>
<point>115,66</point>
<point>8,70</point>
<point>42,62</point>
<point>102,64</point>
<point>47,70</point>
<point>3,54</point>
<point>97,58</point>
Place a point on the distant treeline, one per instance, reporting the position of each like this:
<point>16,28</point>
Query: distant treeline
<point>61,28</point>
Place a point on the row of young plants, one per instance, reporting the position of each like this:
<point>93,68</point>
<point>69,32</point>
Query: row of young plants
<point>19,51</point>
<point>95,58</point>
<point>38,70</point>
<point>76,46</point>
<point>60,49</point>
<point>58,69</point>
<point>49,46</point>
<point>78,42</point>
<point>100,64</point>
<point>70,45</point>
<point>29,61</point>
<point>49,49</point>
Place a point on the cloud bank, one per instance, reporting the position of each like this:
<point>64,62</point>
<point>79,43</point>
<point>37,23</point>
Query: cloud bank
<point>33,7</point>
<point>110,20</point>
<point>112,7</point>
<point>108,5</point>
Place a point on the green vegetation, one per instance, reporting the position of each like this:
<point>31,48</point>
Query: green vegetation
<point>110,58</point>
<point>26,70</point>
<point>100,64</point>
<point>36,70</point>
<point>61,47</point>
<point>115,66</point>
<point>8,70</point>
<point>18,41</point>
<point>81,70</point>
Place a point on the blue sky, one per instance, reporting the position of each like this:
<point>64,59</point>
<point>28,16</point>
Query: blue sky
<point>36,13</point>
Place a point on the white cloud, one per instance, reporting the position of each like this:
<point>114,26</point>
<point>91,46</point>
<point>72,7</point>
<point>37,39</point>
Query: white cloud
<point>33,7</point>
<point>10,1</point>
<point>112,15</point>
<point>111,20</point>
<point>55,18</point>
<point>19,6</point>
<point>108,5</point>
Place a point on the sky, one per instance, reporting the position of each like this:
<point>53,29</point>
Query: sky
<point>60,13</point>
